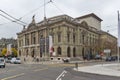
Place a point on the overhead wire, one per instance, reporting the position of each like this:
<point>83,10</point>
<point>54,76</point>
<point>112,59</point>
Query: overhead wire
<point>35,9</point>
<point>57,7</point>
<point>15,19</point>
<point>10,19</point>
<point>18,21</point>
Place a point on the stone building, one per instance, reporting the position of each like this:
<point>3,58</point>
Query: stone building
<point>108,41</point>
<point>72,37</point>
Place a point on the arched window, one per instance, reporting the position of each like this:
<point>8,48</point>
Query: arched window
<point>68,52</point>
<point>83,38</point>
<point>74,52</point>
<point>19,52</point>
<point>68,37</point>
<point>83,54</point>
<point>59,50</point>
<point>33,53</point>
<point>59,37</point>
<point>26,52</point>
<point>73,38</point>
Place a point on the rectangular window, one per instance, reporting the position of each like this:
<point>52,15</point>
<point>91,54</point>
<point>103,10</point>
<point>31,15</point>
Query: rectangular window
<point>59,37</point>
<point>83,39</point>
<point>53,38</point>
<point>33,38</point>
<point>68,37</point>
<point>73,38</point>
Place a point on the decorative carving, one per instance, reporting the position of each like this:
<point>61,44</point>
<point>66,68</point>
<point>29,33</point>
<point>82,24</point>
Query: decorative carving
<point>84,23</point>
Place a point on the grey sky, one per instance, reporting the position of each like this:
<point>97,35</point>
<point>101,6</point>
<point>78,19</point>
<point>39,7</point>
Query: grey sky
<point>105,9</point>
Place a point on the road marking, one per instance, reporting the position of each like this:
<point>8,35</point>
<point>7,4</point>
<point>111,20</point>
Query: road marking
<point>4,71</point>
<point>40,69</point>
<point>61,75</point>
<point>11,77</point>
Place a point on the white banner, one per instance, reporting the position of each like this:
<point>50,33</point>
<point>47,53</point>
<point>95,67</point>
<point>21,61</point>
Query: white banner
<point>50,45</point>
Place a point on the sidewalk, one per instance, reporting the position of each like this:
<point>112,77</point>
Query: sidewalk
<point>102,69</point>
<point>42,62</point>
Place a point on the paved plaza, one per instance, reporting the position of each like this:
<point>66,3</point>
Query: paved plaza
<point>102,69</point>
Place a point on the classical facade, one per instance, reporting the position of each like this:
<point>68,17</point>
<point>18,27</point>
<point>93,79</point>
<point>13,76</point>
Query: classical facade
<point>72,37</point>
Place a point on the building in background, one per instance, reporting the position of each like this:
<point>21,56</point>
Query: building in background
<point>108,42</point>
<point>5,41</point>
<point>71,37</point>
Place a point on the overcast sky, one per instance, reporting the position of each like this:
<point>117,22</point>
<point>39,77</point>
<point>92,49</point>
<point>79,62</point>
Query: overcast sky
<point>105,9</point>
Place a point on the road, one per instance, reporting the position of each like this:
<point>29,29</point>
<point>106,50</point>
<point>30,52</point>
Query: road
<point>47,72</point>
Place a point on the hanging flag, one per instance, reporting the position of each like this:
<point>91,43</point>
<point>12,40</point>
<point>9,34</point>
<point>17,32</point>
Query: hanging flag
<point>50,45</point>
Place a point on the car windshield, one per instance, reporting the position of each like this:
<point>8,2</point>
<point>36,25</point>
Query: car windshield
<point>1,60</point>
<point>17,58</point>
<point>9,58</point>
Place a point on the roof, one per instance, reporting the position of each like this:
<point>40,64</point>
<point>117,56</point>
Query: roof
<point>88,15</point>
<point>101,32</point>
<point>57,18</point>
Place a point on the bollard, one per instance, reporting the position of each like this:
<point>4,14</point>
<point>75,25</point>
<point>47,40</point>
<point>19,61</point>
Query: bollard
<point>76,65</point>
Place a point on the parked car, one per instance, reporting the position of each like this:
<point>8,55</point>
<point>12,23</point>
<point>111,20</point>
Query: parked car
<point>2,62</point>
<point>15,61</point>
<point>7,60</point>
<point>18,61</point>
<point>111,58</point>
<point>65,60</point>
<point>97,57</point>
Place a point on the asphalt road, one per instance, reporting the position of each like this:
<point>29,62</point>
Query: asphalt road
<point>48,72</point>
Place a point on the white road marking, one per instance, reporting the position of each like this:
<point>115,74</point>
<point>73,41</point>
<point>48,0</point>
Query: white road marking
<point>61,75</point>
<point>11,77</point>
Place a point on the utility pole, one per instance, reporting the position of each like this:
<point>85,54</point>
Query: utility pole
<point>44,10</point>
<point>45,27</point>
<point>118,37</point>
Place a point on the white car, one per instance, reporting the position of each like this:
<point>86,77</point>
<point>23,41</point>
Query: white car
<point>2,62</point>
<point>15,61</point>
<point>18,61</point>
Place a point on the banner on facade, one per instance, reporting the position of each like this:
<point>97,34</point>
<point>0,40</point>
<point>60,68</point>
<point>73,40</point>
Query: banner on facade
<point>50,45</point>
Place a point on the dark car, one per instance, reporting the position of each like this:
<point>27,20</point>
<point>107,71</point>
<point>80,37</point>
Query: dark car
<point>111,58</point>
<point>66,60</point>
